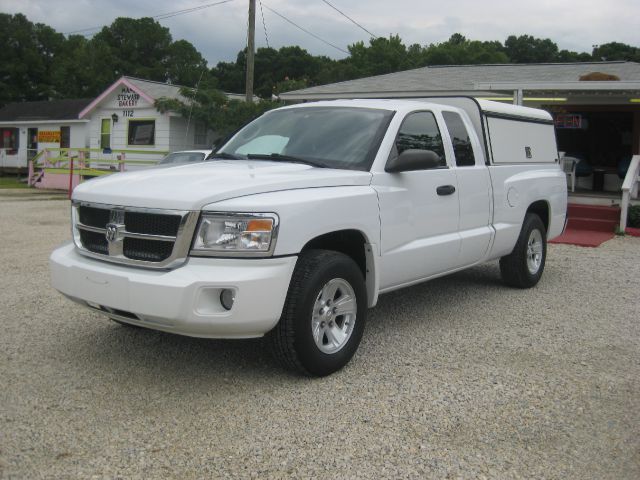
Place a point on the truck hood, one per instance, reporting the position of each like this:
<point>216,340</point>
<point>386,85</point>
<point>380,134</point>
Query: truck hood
<point>191,187</point>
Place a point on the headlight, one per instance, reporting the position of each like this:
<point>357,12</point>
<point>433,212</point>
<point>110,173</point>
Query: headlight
<point>236,234</point>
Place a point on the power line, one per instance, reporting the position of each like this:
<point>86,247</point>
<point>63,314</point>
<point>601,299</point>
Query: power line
<point>305,30</point>
<point>266,35</point>
<point>350,19</point>
<point>162,16</point>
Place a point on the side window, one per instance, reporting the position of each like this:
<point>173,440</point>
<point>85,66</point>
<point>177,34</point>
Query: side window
<point>420,131</point>
<point>460,139</point>
<point>10,140</point>
<point>200,134</point>
<point>141,132</point>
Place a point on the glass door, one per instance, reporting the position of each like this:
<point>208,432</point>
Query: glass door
<point>32,143</point>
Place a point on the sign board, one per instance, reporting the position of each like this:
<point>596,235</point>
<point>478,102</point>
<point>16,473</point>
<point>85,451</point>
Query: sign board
<point>568,120</point>
<point>48,136</point>
<point>127,98</point>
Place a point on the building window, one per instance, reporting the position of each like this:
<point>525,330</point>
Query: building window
<point>142,132</point>
<point>200,135</point>
<point>105,133</point>
<point>65,137</point>
<point>460,139</point>
<point>10,140</point>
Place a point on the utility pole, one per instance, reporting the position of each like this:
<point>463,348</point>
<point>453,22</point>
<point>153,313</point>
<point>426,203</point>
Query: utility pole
<point>251,45</point>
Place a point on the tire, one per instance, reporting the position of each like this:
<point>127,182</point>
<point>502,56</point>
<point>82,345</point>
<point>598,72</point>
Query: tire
<point>523,267</point>
<point>311,336</point>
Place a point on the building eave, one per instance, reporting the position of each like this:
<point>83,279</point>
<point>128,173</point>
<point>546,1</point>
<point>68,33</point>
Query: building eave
<point>559,86</point>
<point>9,123</point>
<point>381,94</point>
<point>121,81</point>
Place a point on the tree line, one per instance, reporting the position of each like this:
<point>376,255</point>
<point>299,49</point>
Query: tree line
<point>39,63</point>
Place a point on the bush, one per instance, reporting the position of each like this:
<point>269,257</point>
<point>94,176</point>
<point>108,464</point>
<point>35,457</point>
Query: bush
<point>633,217</point>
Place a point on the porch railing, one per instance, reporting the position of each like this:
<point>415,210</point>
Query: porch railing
<point>629,189</point>
<point>87,162</point>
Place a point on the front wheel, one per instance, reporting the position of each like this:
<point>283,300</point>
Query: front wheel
<point>324,314</point>
<point>523,267</point>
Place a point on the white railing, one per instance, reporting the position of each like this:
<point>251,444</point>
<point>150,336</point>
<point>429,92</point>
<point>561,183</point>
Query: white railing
<point>629,189</point>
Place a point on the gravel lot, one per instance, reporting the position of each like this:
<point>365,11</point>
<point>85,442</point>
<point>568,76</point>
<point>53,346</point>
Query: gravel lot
<point>459,377</point>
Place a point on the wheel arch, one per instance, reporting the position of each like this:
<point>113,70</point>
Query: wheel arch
<point>354,244</point>
<point>543,210</point>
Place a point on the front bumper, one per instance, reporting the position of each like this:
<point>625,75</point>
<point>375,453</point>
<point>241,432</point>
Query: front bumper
<point>186,300</point>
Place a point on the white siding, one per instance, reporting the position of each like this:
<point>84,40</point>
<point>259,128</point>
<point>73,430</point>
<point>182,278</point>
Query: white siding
<point>78,134</point>
<point>142,110</point>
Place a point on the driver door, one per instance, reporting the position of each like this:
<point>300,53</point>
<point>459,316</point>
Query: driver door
<point>419,210</point>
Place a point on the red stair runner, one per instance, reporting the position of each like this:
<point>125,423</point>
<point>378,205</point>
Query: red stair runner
<point>589,225</point>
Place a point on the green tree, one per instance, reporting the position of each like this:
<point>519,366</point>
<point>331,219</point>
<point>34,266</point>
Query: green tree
<point>271,66</point>
<point>26,59</point>
<point>568,56</point>
<point>383,55</point>
<point>136,47</point>
<point>616,51</point>
<point>73,70</point>
<point>528,49</point>
<point>460,51</point>
<point>184,65</point>
<point>211,107</point>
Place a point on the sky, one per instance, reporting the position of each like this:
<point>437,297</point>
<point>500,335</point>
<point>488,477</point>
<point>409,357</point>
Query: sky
<point>219,32</point>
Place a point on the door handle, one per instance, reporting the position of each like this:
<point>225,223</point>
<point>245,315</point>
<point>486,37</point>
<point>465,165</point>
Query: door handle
<point>445,189</point>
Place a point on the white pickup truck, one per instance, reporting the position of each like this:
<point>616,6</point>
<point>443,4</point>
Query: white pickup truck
<point>297,224</point>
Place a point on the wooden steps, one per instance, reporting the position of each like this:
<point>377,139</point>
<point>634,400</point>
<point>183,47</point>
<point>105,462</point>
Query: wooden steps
<point>589,225</point>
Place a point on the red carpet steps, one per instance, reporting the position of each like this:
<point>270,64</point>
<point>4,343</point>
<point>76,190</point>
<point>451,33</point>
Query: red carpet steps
<point>589,225</point>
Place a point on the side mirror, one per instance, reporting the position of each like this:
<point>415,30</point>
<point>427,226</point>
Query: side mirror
<point>413,159</point>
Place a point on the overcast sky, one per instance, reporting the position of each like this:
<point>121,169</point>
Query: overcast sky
<point>219,32</point>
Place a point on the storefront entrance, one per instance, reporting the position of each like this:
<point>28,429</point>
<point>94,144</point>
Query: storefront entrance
<point>602,138</point>
<point>32,143</point>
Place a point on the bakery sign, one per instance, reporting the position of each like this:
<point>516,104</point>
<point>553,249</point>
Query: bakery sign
<point>48,136</point>
<point>127,98</point>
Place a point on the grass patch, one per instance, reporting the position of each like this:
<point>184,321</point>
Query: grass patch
<point>12,182</point>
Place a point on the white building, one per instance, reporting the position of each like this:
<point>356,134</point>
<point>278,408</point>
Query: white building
<point>28,127</point>
<point>123,117</point>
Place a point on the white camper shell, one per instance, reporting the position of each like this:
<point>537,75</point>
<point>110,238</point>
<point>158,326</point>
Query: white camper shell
<point>509,134</point>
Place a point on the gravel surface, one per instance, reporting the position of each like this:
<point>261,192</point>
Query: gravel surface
<point>457,378</point>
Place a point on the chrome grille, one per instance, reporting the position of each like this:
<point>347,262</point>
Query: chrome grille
<point>138,236</point>
<point>152,224</point>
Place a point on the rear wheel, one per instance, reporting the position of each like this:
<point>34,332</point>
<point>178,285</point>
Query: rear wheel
<point>523,267</point>
<point>324,314</point>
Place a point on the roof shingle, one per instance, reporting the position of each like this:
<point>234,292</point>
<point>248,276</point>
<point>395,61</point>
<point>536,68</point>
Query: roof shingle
<point>43,110</point>
<point>449,78</point>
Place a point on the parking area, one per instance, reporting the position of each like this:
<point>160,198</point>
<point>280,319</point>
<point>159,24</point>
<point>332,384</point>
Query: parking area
<point>460,377</point>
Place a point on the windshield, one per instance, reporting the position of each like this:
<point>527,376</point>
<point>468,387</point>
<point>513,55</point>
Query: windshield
<point>335,137</point>
<point>183,157</point>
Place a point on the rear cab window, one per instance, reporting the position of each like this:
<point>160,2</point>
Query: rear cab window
<point>462,147</point>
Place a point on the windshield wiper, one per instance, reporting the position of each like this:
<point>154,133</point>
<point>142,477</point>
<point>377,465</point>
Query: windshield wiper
<point>286,158</point>
<point>224,156</point>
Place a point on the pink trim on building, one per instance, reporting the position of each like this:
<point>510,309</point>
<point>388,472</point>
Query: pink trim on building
<point>108,91</point>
